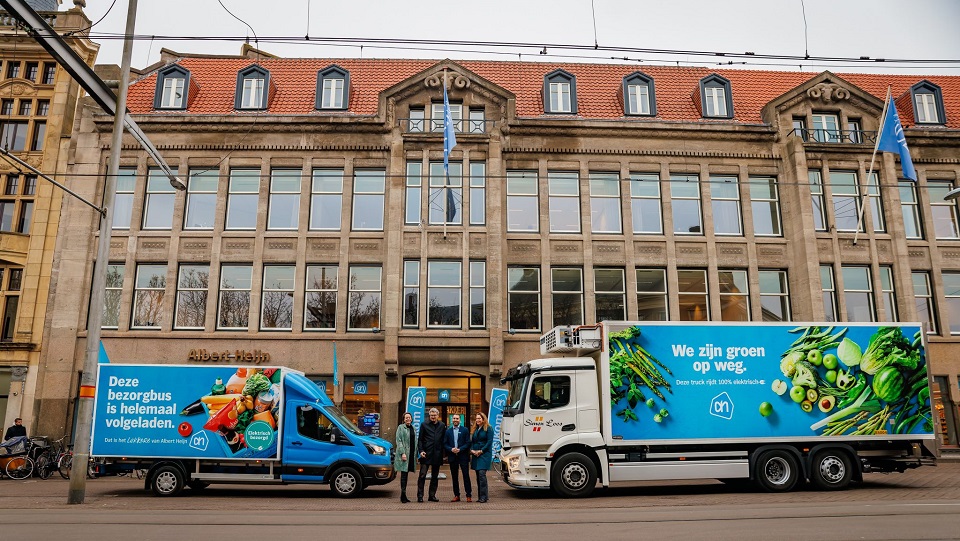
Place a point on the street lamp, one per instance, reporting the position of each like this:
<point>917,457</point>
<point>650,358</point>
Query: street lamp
<point>952,194</point>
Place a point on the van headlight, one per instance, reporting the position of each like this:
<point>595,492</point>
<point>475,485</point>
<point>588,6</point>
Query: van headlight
<point>375,449</point>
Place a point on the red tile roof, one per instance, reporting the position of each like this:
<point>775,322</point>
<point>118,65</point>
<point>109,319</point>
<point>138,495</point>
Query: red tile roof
<point>597,86</point>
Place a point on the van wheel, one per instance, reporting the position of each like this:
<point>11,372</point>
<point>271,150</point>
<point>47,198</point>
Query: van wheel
<point>167,481</point>
<point>832,470</point>
<point>574,475</point>
<point>777,471</point>
<point>346,482</point>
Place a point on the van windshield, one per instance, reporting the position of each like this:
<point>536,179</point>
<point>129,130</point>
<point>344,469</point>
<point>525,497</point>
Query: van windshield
<point>343,421</point>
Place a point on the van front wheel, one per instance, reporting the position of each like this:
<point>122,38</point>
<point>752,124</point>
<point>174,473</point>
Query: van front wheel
<point>574,475</point>
<point>346,482</point>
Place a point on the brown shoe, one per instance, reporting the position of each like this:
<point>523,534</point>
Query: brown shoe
<point>469,499</point>
<point>456,499</point>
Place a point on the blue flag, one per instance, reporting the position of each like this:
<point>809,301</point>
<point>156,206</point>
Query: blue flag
<point>892,139</point>
<point>336,379</point>
<point>449,141</point>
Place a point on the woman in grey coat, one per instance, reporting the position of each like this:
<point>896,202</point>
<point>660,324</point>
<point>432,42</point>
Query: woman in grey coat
<point>405,459</point>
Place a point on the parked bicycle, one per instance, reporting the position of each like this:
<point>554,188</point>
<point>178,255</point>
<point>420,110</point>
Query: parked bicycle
<point>47,461</point>
<point>15,457</point>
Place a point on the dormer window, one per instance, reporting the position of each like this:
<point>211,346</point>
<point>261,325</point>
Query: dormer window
<point>333,88</point>
<point>638,95</point>
<point>927,103</point>
<point>560,92</point>
<point>172,85</point>
<point>717,101</point>
<point>252,85</point>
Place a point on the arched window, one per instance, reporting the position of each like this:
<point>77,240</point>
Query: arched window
<point>173,86</point>
<point>333,88</point>
<point>560,92</point>
<point>639,98</point>
<point>716,100</point>
<point>253,85</point>
<point>927,103</point>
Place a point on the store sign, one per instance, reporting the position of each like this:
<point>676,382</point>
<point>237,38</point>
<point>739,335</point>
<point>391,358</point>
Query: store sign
<point>256,356</point>
<point>416,404</point>
<point>443,395</point>
<point>322,384</point>
<point>359,387</point>
<point>498,400</point>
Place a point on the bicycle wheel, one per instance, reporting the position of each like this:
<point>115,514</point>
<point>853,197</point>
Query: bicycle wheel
<point>44,467</point>
<point>66,462</point>
<point>20,467</point>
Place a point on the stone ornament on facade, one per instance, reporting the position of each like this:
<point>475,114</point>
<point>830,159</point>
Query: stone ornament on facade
<point>454,80</point>
<point>18,373</point>
<point>828,93</point>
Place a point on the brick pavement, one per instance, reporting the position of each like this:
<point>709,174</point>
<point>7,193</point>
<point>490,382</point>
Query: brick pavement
<point>927,484</point>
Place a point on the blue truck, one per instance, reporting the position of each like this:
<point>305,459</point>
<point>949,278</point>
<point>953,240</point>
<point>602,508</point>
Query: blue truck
<point>190,426</point>
<point>773,404</point>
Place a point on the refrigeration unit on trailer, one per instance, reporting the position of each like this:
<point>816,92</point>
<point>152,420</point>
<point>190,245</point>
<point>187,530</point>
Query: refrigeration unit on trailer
<point>777,404</point>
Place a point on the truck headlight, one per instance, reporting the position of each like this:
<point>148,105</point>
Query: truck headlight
<point>513,463</point>
<point>375,449</point>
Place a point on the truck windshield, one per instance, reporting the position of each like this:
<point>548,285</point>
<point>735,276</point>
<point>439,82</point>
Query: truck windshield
<point>343,421</point>
<point>515,395</point>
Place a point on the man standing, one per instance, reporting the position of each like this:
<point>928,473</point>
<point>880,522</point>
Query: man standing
<point>16,430</point>
<point>430,444</point>
<point>456,443</point>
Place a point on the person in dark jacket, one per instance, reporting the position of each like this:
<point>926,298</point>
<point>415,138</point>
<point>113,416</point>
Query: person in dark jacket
<point>430,444</point>
<point>456,444</point>
<point>481,451</point>
<point>405,460</point>
<point>16,430</point>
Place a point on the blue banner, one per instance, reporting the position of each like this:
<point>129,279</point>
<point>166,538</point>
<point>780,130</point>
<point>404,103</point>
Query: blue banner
<point>724,381</point>
<point>416,405</point>
<point>187,411</point>
<point>498,400</point>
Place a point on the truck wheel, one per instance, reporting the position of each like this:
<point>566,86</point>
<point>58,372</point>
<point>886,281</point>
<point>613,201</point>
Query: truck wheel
<point>777,471</point>
<point>832,470</point>
<point>574,475</point>
<point>346,482</point>
<point>167,481</point>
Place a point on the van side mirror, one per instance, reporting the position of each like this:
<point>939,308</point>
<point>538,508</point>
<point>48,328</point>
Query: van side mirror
<point>336,436</point>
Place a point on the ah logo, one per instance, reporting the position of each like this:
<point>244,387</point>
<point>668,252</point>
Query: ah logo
<point>444,395</point>
<point>417,398</point>
<point>500,401</point>
<point>359,387</point>
<point>200,441</point>
<point>722,406</point>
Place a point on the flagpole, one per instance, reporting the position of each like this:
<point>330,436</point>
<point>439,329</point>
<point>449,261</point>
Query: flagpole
<point>446,167</point>
<point>866,183</point>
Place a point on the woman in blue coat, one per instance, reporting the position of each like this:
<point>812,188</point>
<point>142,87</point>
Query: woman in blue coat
<point>481,451</point>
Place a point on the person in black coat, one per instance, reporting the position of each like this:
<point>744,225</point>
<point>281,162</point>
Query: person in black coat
<point>430,443</point>
<point>16,430</point>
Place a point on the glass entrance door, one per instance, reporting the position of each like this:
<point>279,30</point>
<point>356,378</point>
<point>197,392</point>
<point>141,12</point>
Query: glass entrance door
<point>453,392</point>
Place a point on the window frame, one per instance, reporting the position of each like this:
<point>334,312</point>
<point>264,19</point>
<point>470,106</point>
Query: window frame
<point>772,204</point>
<point>411,290</point>
<point>719,201</point>
<point>129,194</point>
<point>512,291</point>
<point>597,181</point>
<point>725,292</point>
<point>157,291</point>
<point>868,293</point>
<point>639,79</point>
<point>515,197</point>
<point>360,196</point>
<point>951,296</point>
<point>910,207</point>
<point>325,293</point>
<point>608,294</point>
<point>241,174</point>
<point>714,81</point>
<point>112,295</point>
<point>158,189</point>
<point>207,196</point>
<point>560,198</point>
<point>676,181</point>
<point>559,77</point>
<point>252,72</point>
<point>818,200</point>
<point>638,180</point>
<point>225,289</point>
<point>275,195</point>
<point>846,196</point>
<point>829,295</point>
<point>576,294</point>
<point>922,88</point>
<point>433,270</point>
<point>288,292</point>
<point>644,293</point>
<point>161,98</point>
<point>413,192</point>
<point>317,195</point>
<point>888,294</point>
<point>478,193</point>
<point>942,211</point>
<point>781,295</point>
<point>826,134</point>
<point>352,292</point>
<point>182,289</point>
<point>705,295</point>
<point>332,73</point>
<point>477,286</point>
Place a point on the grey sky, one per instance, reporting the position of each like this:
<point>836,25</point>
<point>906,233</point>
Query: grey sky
<point>919,29</point>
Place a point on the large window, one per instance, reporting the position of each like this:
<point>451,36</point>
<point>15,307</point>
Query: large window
<point>443,293</point>
<point>150,285</point>
<point>858,293</point>
<point>685,197</point>
<point>951,293</point>
<point>765,205</point>
<point>639,95</point>
<point>944,213</point>
<point>478,294</point>
<point>276,303</point>
<point>11,302</point>
<point>436,116</point>
<point>193,283</point>
<point>284,212</point>
<point>49,72</point>
<point>244,191</point>
<point>693,295</point>
<point>717,99</point>
<point>364,309</point>
<point>846,200</point>
<point>829,288</point>
<point>734,295</point>
<point>158,207</point>
<point>326,199</point>
<point>368,197</point>
<point>560,92</point>
<point>320,301</point>
<point>927,103</point>
<point>774,296</point>
<point>652,295</point>
<point>478,193</point>
<point>252,88</point>
<point>523,213</point>
<point>234,307</point>
<point>605,203</point>
<point>609,295</point>
<point>911,210</point>
<point>523,298</point>
<point>411,214</point>
<point>16,208</point>
<point>645,203</point>
<point>826,128</point>
<point>112,295</point>
<point>172,88</point>
<point>333,88</point>
<point>411,293</point>
<point>564,200</point>
<point>567,290</point>
<point>201,199</point>
<point>725,193</point>
<point>13,135</point>
<point>446,194</point>
<point>923,295</point>
<point>887,293</point>
<point>816,200</point>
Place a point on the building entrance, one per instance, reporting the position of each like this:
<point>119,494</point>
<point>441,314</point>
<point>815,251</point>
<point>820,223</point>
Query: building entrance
<point>456,393</point>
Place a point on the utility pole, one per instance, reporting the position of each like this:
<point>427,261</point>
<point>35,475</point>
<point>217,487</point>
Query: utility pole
<point>84,411</point>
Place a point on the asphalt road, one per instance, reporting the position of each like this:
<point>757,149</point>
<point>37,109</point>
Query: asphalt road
<point>921,504</point>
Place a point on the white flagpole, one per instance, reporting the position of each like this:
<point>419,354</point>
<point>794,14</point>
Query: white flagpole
<point>866,183</point>
<point>446,172</point>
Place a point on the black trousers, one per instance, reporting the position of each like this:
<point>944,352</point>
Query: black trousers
<point>403,482</point>
<point>455,469</point>
<point>434,479</point>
